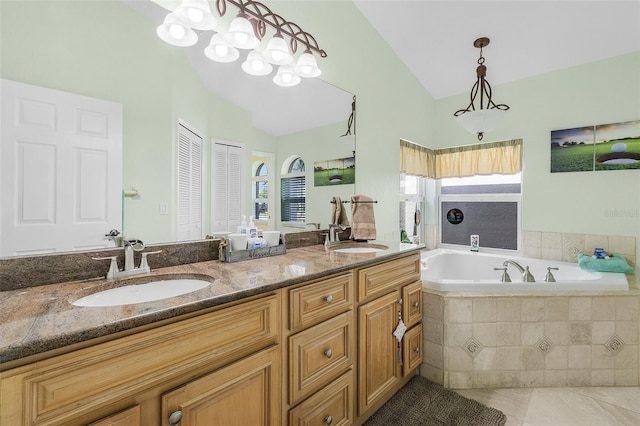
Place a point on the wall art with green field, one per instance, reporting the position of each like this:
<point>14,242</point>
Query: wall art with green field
<point>613,146</point>
<point>334,172</point>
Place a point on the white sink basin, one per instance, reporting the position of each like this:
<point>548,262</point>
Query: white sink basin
<point>140,293</point>
<point>358,250</point>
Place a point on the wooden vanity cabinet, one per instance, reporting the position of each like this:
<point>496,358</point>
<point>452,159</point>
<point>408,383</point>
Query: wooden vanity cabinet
<point>321,352</point>
<point>386,292</point>
<point>229,354</point>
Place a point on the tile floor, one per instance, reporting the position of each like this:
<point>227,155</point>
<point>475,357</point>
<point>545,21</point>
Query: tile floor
<point>573,406</point>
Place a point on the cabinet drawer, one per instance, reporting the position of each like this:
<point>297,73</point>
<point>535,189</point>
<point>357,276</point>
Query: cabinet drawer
<point>73,385</point>
<point>412,349</point>
<point>129,417</point>
<point>333,405</point>
<point>379,279</point>
<point>320,354</point>
<point>314,303</point>
<point>412,303</point>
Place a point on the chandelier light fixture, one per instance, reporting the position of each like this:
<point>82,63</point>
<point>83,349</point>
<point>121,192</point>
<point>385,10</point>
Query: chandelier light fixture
<point>487,114</point>
<point>246,32</point>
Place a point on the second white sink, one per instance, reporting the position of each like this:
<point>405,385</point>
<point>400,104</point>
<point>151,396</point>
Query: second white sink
<point>140,293</point>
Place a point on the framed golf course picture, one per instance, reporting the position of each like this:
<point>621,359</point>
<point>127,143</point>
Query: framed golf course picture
<point>334,172</point>
<point>614,146</point>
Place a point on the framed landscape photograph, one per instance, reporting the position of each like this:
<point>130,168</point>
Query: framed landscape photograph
<point>617,146</point>
<point>334,172</point>
<point>572,149</point>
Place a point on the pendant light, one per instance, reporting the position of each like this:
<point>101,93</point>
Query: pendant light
<point>487,115</point>
<point>307,66</point>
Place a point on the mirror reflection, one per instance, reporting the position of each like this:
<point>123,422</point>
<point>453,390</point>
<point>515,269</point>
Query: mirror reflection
<point>176,109</point>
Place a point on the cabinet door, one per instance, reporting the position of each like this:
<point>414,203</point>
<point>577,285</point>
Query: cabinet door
<point>412,303</point>
<point>128,417</point>
<point>332,405</point>
<point>244,393</point>
<point>412,349</point>
<point>379,369</point>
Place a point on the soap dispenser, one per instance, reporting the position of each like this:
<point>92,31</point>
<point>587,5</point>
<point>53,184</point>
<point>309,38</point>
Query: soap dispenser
<point>251,229</point>
<point>242,229</point>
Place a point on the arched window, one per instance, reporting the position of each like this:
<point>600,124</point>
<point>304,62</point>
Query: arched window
<point>261,192</point>
<point>293,191</point>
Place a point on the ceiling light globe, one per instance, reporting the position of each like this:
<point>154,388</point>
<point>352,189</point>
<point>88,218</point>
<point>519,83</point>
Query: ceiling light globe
<point>307,66</point>
<point>196,14</point>
<point>219,50</point>
<point>241,34</point>
<point>286,77</point>
<point>255,64</point>
<point>277,51</point>
<point>175,32</point>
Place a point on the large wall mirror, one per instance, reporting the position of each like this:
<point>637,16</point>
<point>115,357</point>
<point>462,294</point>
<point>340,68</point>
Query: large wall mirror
<point>109,50</point>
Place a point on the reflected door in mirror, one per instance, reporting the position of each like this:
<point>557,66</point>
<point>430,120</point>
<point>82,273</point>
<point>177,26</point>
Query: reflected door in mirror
<point>226,183</point>
<point>61,162</point>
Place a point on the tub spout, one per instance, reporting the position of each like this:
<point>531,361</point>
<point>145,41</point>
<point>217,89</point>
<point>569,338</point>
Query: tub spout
<point>526,275</point>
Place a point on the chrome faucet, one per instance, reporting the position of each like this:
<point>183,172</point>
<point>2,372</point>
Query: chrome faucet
<point>332,236</point>
<point>129,268</point>
<point>526,275</point>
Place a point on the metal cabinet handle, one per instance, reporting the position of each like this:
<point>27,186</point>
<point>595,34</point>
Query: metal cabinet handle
<point>175,418</point>
<point>328,298</point>
<point>416,304</point>
<point>328,420</point>
<point>328,353</point>
<point>416,350</point>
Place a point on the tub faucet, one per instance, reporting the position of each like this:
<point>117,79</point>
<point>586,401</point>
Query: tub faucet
<point>526,275</point>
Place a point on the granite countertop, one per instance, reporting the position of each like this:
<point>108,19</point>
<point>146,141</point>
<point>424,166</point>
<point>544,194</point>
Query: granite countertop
<point>39,319</point>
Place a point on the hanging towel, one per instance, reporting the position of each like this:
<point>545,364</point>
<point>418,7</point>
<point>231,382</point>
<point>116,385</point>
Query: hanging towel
<point>338,213</point>
<point>363,221</point>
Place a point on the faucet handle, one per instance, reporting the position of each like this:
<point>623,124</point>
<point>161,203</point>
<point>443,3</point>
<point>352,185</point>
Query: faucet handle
<point>505,276</point>
<point>113,266</point>
<point>144,264</point>
<point>549,277</point>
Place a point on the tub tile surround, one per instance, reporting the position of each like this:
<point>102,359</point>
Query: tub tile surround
<point>500,340</point>
<point>567,340</point>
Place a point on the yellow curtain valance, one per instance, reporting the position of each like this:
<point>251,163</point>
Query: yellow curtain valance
<point>503,157</point>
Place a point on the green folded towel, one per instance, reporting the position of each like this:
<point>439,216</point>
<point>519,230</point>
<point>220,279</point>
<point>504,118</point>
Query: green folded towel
<point>615,263</point>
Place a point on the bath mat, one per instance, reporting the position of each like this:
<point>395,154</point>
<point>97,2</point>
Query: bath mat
<point>424,403</point>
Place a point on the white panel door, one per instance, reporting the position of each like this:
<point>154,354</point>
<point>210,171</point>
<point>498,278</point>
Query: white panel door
<point>189,184</point>
<point>61,170</point>
<point>226,184</point>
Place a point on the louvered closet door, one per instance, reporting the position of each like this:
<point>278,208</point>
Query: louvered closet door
<point>226,200</point>
<point>189,185</point>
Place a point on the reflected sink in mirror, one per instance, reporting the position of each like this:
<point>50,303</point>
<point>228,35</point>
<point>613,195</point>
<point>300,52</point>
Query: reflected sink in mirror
<point>358,248</point>
<point>150,291</point>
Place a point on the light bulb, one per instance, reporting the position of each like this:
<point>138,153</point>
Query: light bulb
<point>241,38</point>
<point>277,55</point>
<point>222,49</point>
<point>177,31</point>
<point>287,77</point>
<point>306,69</point>
<point>195,15</point>
<point>257,65</point>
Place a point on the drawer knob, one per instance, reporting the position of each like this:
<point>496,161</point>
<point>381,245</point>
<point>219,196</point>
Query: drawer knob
<point>175,418</point>
<point>328,420</point>
<point>416,304</point>
<point>328,298</point>
<point>328,353</point>
<point>416,350</point>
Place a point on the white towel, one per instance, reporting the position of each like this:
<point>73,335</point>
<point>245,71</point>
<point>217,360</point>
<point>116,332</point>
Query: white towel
<point>363,221</point>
